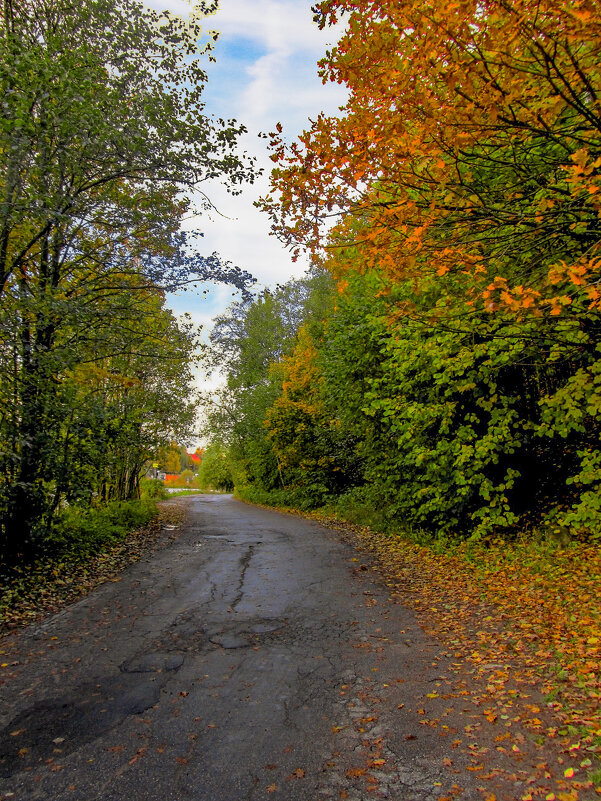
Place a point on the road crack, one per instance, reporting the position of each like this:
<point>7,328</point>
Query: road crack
<point>244,563</point>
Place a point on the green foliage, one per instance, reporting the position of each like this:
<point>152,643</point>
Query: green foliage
<point>153,488</point>
<point>245,342</point>
<point>462,358</point>
<point>451,415</point>
<point>79,532</point>
<point>254,494</point>
<point>420,411</point>
<point>103,141</point>
<point>215,471</point>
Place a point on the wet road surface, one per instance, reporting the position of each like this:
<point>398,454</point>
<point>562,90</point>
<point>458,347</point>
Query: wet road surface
<point>255,657</point>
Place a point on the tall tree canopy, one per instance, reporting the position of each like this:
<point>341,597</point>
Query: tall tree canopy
<point>104,146</point>
<point>456,198</point>
<point>471,141</point>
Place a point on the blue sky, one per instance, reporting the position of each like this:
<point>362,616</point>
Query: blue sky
<point>265,73</point>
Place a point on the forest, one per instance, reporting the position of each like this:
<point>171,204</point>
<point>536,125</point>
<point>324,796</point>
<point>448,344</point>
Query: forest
<point>431,386</point>
<point>438,371</point>
<point>103,144</point>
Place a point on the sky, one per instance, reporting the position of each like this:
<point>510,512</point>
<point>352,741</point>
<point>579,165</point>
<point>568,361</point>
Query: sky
<point>265,73</point>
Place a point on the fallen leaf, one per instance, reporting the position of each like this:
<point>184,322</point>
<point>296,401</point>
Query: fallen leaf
<point>139,753</point>
<point>299,773</point>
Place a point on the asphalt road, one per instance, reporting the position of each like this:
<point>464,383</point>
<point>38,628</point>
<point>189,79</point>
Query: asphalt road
<point>255,657</point>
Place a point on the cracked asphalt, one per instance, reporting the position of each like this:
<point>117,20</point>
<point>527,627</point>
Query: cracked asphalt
<point>255,656</point>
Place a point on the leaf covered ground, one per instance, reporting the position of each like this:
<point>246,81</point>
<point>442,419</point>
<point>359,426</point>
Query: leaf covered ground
<point>45,587</point>
<point>522,623</point>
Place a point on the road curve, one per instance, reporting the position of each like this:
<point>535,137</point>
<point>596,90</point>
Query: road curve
<point>254,657</point>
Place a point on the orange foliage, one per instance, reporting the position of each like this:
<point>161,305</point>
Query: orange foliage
<point>291,418</point>
<point>440,92</point>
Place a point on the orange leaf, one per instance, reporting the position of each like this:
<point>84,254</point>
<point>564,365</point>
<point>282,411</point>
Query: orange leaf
<point>299,773</point>
<point>352,773</point>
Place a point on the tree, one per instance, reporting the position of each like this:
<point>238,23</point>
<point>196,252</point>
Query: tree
<point>472,142</point>
<point>102,128</point>
<point>315,457</point>
<point>102,142</point>
<point>465,172</point>
<point>215,471</point>
<point>245,342</point>
<point>171,460</point>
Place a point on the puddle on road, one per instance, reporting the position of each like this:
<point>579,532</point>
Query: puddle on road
<point>69,722</point>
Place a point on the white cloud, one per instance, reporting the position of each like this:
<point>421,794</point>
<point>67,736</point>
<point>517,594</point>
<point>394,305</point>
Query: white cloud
<point>265,73</point>
<point>285,24</point>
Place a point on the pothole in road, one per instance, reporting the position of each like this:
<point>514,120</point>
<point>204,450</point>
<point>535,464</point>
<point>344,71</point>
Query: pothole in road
<point>244,634</point>
<point>153,663</point>
<point>58,726</point>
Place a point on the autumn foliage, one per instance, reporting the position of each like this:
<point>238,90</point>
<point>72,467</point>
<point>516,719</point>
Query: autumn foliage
<point>470,140</point>
<point>455,198</point>
<point>444,386</point>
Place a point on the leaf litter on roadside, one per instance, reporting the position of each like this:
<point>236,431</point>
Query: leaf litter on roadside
<point>524,624</point>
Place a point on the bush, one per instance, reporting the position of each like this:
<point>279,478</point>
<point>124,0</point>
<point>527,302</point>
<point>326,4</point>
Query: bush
<point>81,532</point>
<point>153,488</point>
<point>184,481</point>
